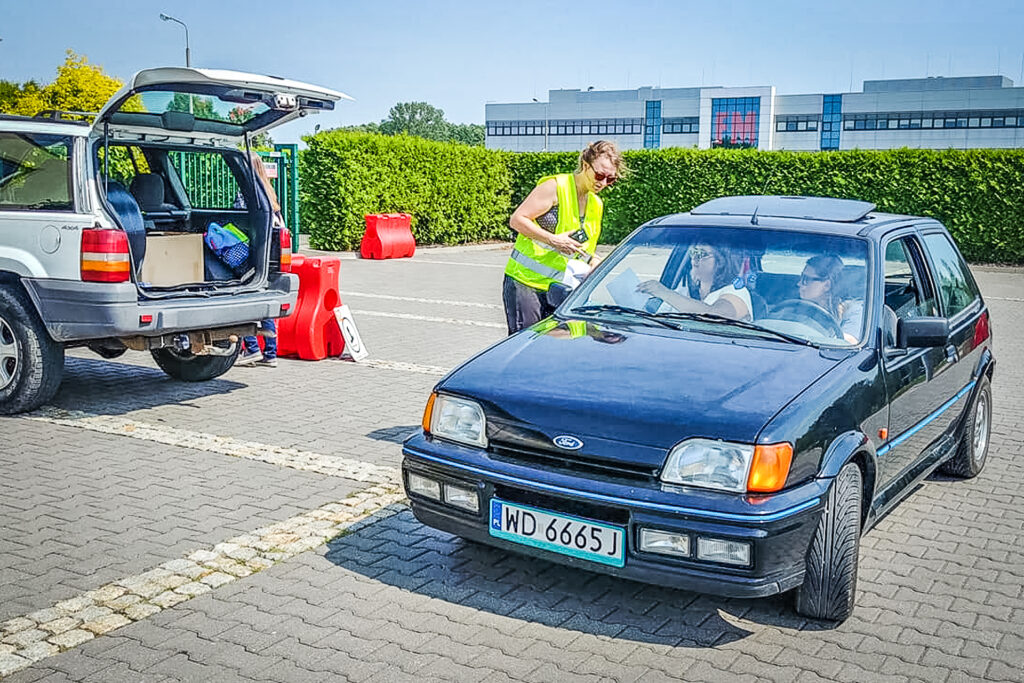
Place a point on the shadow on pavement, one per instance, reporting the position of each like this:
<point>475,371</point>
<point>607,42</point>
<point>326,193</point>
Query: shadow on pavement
<point>393,434</point>
<point>111,388</point>
<point>399,551</point>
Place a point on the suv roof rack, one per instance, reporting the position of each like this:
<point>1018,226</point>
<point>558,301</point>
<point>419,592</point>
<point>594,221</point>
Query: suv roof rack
<point>782,206</point>
<point>67,115</point>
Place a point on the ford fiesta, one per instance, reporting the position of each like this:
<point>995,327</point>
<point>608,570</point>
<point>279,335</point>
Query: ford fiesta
<point>725,405</point>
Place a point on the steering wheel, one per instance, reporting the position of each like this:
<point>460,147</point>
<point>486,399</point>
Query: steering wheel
<point>813,312</point>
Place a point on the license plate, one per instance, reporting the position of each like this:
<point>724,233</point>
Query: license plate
<point>558,533</point>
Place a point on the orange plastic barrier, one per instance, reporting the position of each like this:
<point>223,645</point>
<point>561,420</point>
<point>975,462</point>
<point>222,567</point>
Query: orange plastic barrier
<point>312,332</point>
<point>387,235</point>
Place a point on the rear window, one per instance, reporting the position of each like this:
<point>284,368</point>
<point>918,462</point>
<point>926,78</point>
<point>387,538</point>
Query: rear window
<point>205,107</point>
<point>957,289</point>
<point>35,172</point>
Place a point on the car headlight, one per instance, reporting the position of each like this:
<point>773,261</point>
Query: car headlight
<point>763,468</point>
<point>709,464</point>
<point>457,419</point>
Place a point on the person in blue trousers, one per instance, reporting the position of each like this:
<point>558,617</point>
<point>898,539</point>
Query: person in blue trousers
<point>251,354</point>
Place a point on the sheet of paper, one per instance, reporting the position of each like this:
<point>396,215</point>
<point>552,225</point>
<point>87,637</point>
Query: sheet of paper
<point>623,290</point>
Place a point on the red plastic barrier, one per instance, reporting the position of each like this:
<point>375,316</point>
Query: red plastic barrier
<point>387,235</point>
<point>312,332</point>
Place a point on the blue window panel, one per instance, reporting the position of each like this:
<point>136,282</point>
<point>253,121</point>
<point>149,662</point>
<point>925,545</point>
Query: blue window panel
<point>831,117</point>
<point>652,125</point>
<point>735,121</point>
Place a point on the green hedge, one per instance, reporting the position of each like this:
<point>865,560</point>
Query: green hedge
<point>463,194</point>
<point>455,193</point>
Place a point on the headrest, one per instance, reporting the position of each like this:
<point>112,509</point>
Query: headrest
<point>148,188</point>
<point>852,282</point>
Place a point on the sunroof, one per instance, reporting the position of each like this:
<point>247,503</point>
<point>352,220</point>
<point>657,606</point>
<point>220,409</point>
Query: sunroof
<point>780,206</point>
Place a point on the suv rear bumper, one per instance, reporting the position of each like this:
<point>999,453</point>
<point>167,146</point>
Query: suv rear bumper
<point>76,311</point>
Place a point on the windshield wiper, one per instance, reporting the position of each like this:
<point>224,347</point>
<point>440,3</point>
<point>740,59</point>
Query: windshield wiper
<point>715,318</point>
<point>625,310</point>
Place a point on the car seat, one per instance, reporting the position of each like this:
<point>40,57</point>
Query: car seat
<point>148,190</point>
<point>130,217</point>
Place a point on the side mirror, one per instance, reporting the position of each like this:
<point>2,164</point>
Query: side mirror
<point>557,293</point>
<point>922,333</point>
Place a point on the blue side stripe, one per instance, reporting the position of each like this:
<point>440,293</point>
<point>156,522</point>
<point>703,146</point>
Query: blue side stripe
<point>615,500</point>
<point>924,423</point>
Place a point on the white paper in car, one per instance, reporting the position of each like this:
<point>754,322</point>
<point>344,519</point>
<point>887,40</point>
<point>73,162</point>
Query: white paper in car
<point>623,290</point>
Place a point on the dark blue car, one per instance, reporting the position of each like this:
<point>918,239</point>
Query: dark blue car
<point>725,405</point>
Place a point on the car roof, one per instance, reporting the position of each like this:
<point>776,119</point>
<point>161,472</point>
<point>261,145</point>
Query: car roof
<point>31,124</point>
<point>804,214</point>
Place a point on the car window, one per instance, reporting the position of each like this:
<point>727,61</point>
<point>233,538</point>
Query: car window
<point>809,285</point>
<point>207,179</point>
<point>957,289</point>
<point>35,172</point>
<point>907,293</point>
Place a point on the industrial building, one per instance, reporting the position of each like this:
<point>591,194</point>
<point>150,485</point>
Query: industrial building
<point>930,113</point>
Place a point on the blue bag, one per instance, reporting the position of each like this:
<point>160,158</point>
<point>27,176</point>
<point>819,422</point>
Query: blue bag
<point>229,244</point>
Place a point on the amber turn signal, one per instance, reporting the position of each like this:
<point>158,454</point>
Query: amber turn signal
<point>428,412</point>
<point>770,467</point>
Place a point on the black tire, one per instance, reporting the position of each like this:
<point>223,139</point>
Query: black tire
<point>830,581</point>
<point>188,367</point>
<point>31,362</point>
<point>972,450</point>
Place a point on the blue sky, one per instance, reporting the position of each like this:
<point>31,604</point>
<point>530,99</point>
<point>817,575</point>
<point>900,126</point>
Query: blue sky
<point>460,55</point>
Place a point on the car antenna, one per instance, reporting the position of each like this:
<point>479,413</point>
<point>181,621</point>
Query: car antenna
<point>753,217</point>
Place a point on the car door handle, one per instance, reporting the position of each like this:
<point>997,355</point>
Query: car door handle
<point>951,354</point>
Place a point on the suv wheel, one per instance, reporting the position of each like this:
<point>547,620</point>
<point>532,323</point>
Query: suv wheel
<point>973,447</point>
<point>830,581</point>
<point>188,367</point>
<point>31,363</point>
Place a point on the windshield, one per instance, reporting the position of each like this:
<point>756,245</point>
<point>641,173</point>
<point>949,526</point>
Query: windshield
<point>809,287</point>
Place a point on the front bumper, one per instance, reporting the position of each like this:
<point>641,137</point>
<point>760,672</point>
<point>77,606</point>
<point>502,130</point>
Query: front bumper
<point>77,311</point>
<point>778,527</point>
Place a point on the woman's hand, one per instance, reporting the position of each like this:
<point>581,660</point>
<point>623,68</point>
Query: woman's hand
<point>655,289</point>
<point>565,244</point>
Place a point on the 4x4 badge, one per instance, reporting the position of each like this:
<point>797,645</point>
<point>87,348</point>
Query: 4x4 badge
<point>569,443</point>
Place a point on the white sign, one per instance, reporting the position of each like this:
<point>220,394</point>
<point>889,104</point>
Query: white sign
<point>354,348</point>
<point>271,168</point>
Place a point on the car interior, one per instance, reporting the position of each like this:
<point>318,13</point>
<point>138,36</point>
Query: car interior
<point>159,191</point>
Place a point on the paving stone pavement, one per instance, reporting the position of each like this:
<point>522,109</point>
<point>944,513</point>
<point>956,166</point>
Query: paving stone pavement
<point>941,578</point>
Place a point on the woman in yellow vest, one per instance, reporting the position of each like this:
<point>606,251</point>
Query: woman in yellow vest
<point>559,220</point>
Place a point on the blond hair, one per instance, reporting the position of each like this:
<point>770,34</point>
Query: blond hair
<point>601,148</point>
<point>261,172</point>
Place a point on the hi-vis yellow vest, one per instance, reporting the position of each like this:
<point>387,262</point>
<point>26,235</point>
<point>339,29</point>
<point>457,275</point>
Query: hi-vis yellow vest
<point>538,265</point>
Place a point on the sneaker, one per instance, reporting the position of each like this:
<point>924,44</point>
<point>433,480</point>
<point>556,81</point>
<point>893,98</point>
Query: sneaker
<point>246,358</point>
<point>266,362</point>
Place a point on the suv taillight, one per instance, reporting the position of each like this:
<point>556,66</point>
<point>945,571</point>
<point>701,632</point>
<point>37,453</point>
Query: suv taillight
<point>105,256</point>
<point>286,250</point>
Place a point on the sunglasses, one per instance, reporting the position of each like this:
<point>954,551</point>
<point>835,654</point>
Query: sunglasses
<point>806,279</point>
<point>607,178</point>
<point>698,254</point>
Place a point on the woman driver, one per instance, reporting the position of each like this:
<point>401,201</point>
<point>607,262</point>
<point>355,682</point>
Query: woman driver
<point>819,284</point>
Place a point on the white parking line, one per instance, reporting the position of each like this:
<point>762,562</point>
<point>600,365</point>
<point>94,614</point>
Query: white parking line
<point>432,319</point>
<point>401,366</point>
<point>444,302</point>
<point>44,633</point>
<point>308,461</point>
<point>1005,298</point>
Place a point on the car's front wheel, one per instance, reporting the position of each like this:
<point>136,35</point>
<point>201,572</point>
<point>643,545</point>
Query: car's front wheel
<point>31,363</point>
<point>973,447</point>
<point>830,581</point>
<point>188,367</point>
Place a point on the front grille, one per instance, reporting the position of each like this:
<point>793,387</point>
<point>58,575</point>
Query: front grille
<point>574,463</point>
<point>594,511</point>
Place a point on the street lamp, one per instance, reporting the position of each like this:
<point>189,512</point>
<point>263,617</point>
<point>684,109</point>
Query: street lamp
<point>188,52</point>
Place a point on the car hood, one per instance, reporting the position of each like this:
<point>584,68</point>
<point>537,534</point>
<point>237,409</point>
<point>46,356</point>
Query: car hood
<point>629,386</point>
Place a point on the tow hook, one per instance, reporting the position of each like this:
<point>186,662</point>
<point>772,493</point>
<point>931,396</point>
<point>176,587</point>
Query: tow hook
<point>181,342</point>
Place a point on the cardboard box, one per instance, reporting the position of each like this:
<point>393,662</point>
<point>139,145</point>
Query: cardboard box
<point>172,258</point>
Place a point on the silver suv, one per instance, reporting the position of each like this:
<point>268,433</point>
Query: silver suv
<point>102,225</point>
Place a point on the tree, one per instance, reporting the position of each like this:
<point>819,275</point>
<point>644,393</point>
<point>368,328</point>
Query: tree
<point>79,86</point>
<point>466,133</point>
<point>415,118</point>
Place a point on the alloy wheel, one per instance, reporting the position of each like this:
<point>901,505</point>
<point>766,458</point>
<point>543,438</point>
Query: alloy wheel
<point>8,354</point>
